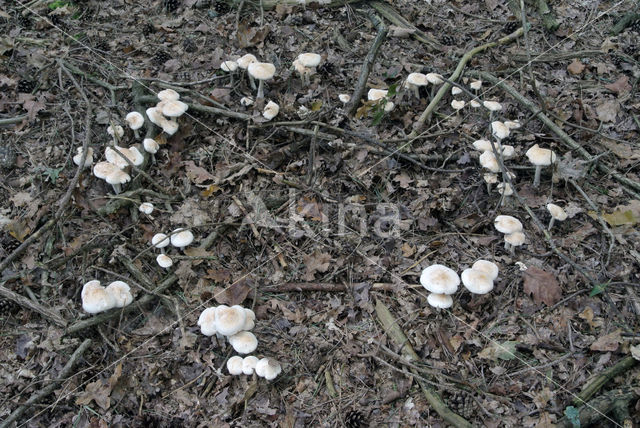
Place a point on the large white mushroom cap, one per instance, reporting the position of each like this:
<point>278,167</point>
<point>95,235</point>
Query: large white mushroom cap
<point>168,95</point>
<point>181,238</point>
<point>268,368</point>
<point>557,212</point>
<point>245,60</point>
<point>261,70</point>
<point>515,239</point>
<point>440,279</point>
<point>164,261</point>
<point>135,120</point>
<point>416,79</point>
<point>160,240</point>
<point>492,105</point>
<point>435,78</point>
<point>442,301</point>
<point>234,365</point>
<point>87,161</point>
<point>499,130</point>
<point>117,132</point>
<point>175,108</point>
<point>244,342</point>
<point>229,66</point>
<point>146,208</point>
<point>132,153</point>
<point>507,224</point>
<point>540,157</point>
<point>121,292</point>
<point>230,320</point>
<point>309,60</point>
<point>271,110</point>
<point>250,320</point>
<point>95,298</point>
<point>117,177</point>
<point>487,267</point>
<point>207,322</point>
<point>102,169</point>
<point>150,145</point>
<point>458,104</point>
<point>376,94</point>
<point>477,281</point>
<point>488,160</point>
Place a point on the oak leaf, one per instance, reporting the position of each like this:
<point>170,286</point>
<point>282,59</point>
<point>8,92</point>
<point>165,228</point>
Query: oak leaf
<point>542,286</point>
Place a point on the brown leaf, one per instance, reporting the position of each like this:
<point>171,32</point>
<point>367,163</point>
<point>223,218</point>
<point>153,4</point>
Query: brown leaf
<point>233,294</point>
<point>310,208</point>
<point>608,110</point>
<point>316,262</point>
<point>542,285</point>
<point>97,391</point>
<point>608,342</point>
<point>219,275</point>
<point>196,173</point>
<point>620,86</point>
<point>576,67</point>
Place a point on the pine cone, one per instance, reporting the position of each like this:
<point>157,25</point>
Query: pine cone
<point>161,57</point>
<point>148,29</point>
<point>171,5</point>
<point>355,419</point>
<point>221,7</point>
<point>6,307</point>
<point>448,40</point>
<point>25,86</point>
<point>510,27</point>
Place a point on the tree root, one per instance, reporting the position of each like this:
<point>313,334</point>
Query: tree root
<point>599,381</point>
<point>616,401</point>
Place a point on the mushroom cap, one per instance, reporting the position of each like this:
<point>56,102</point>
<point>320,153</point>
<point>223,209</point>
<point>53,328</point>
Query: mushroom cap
<point>229,66</point>
<point>246,101</point>
<point>146,207</point>
<point>250,321</point>
<point>150,145</point>
<point>417,79</point>
<point>490,177</point>
<point>249,364</point>
<point>261,70</point>
<point>344,98</point>
<point>516,238</point>
<point>169,127</point>
<point>483,145</point>
<point>541,157</point>
<point>181,238</point>
<point>475,85</point>
<point>458,104</point>
<point>119,131</point>
<point>121,293</point>
<point>230,320</point>
<point>87,161</point>
<point>507,224</point>
<point>489,161</point>
<point>508,151</point>
<point>234,365</point>
<point>175,108</point>
<point>117,177</point>
<point>477,281</point>
<point>512,124</point>
<point>102,169</point>
<point>164,261</point>
<point>135,120</point>
<point>376,94</point>
<point>499,130</point>
<point>155,115</point>
<point>310,60</point>
<point>492,105</point>
<point>95,298</point>
<point>435,78</point>
<point>388,106</point>
<point>207,322</point>
<point>557,212</point>
<point>442,301</point>
<point>244,61</point>
<point>132,153</point>
<point>268,368</point>
<point>271,110</point>
<point>244,342</point>
<point>487,267</point>
<point>455,90</point>
<point>168,95</point>
<point>474,103</point>
<point>440,279</point>
<point>160,240</point>
<point>505,189</point>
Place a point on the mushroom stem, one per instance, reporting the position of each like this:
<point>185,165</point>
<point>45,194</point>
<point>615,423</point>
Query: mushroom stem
<point>536,177</point>
<point>415,90</point>
<point>260,90</point>
<point>252,82</point>
<point>117,188</point>
<point>551,222</point>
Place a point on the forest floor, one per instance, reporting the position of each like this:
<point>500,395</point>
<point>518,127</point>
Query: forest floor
<point>319,220</point>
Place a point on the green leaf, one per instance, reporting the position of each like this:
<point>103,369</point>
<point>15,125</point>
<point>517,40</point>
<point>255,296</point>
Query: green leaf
<point>58,3</point>
<point>597,289</point>
<point>572,415</point>
<point>503,351</point>
<point>52,174</point>
<point>377,116</point>
<point>393,89</point>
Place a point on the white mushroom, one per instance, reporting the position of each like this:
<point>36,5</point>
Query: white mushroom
<point>180,238</point>
<point>261,71</point>
<point>88,161</point>
<point>95,298</point>
<point>121,293</point>
<point>540,157</point>
<point>234,365</point>
<point>207,322</point>
<point>135,120</point>
<point>557,213</point>
<point>243,342</point>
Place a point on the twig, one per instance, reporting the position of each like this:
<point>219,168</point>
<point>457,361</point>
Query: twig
<point>624,23</point>
<point>444,89</point>
<point>34,306</point>
<point>382,29</point>
<point>114,313</point>
<point>13,120</point>
<point>391,327</point>
<point>388,12</point>
<point>599,381</point>
<point>564,137</point>
<point>600,406</point>
<point>66,371</point>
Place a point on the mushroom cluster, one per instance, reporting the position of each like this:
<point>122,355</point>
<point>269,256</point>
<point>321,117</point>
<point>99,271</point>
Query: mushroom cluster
<point>96,298</point>
<point>512,229</point>
<point>442,282</point>
<point>235,323</point>
<point>167,111</point>
<point>179,238</point>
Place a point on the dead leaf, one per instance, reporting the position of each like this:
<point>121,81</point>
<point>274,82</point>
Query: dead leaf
<point>608,342</point>
<point>503,351</point>
<point>196,173</point>
<point>251,36</point>
<point>617,218</point>
<point>197,252</point>
<point>542,285</point>
<point>97,391</point>
<point>310,208</point>
<point>576,67</point>
<point>608,110</point>
<point>234,294</point>
<point>621,150</point>
<point>316,262</point>
<point>620,86</point>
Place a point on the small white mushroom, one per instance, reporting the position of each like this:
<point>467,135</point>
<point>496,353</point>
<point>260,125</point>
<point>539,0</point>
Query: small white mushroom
<point>540,157</point>
<point>234,365</point>
<point>146,208</point>
<point>557,213</point>
<point>135,120</point>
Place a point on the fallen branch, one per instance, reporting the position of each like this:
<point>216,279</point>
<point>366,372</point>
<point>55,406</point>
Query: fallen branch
<point>564,137</point>
<point>13,120</point>
<point>114,313</point>
<point>444,89</point>
<point>599,381</point>
<point>32,305</point>
<point>42,393</point>
<point>358,92</point>
<point>395,333</point>
<point>617,400</point>
<point>624,23</point>
<point>389,13</point>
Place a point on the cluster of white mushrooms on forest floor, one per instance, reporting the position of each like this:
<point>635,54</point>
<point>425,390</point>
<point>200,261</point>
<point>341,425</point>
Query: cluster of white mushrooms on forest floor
<point>179,238</point>
<point>442,282</point>
<point>96,298</point>
<point>235,323</point>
